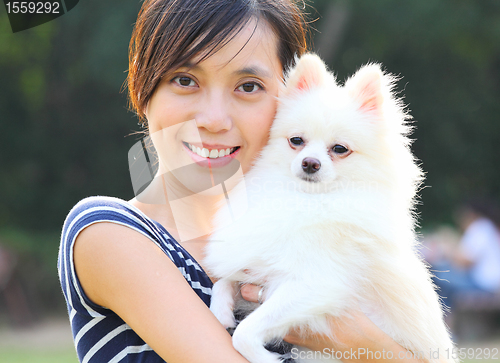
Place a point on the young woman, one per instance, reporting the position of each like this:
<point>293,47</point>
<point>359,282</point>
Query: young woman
<point>204,76</point>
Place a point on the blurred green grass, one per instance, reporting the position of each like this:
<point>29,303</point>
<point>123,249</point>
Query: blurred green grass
<point>68,355</point>
<point>21,355</point>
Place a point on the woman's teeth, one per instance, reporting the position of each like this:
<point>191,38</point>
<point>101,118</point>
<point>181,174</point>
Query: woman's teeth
<point>212,154</point>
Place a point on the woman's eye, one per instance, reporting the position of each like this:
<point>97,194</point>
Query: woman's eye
<point>297,141</point>
<point>249,87</point>
<point>340,149</point>
<point>185,81</point>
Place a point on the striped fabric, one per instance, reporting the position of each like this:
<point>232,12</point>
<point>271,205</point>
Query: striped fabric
<point>99,334</point>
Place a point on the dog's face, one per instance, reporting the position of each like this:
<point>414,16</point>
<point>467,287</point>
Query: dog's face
<point>317,158</point>
<point>314,160</point>
<point>330,137</point>
<point>325,144</point>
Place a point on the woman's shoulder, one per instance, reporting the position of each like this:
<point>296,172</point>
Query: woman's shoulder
<point>105,214</point>
<point>100,204</point>
<point>96,209</point>
<point>89,215</point>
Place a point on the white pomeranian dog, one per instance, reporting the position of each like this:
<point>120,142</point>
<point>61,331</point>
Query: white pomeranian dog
<point>329,223</point>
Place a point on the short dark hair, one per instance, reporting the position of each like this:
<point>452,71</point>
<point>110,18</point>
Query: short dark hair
<point>485,206</point>
<point>170,32</point>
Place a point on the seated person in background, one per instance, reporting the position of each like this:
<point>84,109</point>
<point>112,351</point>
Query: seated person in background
<point>475,265</point>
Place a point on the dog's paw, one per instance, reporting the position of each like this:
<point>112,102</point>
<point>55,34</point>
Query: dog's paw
<point>224,315</point>
<point>222,302</point>
<point>252,347</point>
<point>255,353</point>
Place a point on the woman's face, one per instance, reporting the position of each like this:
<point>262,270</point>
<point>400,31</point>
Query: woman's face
<point>222,105</point>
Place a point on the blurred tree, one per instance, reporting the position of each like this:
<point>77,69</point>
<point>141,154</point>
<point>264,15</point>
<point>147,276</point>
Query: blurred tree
<point>64,120</point>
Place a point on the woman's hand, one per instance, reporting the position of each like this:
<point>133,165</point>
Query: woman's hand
<point>355,335</point>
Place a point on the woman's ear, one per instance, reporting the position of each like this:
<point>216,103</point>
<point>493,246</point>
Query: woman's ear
<point>281,86</point>
<point>145,111</point>
<point>309,72</point>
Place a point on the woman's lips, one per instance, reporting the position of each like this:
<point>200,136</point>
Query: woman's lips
<point>208,162</point>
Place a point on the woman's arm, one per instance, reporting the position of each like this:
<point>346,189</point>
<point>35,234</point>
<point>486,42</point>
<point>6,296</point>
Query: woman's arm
<point>355,334</point>
<point>124,271</point>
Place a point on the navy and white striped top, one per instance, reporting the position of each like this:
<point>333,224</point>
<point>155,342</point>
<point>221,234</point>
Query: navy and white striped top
<point>99,334</point>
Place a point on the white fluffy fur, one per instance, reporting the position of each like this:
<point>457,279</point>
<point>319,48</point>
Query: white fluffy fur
<point>347,238</point>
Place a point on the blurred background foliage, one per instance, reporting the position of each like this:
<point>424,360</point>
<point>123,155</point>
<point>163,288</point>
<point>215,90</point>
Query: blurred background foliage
<point>65,129</point>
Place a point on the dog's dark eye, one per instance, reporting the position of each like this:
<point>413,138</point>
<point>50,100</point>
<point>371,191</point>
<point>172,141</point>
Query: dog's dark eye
<point>297,141</point>
<point>340,149</point>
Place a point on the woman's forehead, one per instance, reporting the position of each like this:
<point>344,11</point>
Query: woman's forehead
<point>253,50</point>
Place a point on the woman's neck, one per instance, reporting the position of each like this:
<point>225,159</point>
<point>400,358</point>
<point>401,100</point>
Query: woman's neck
<point>186,215</point>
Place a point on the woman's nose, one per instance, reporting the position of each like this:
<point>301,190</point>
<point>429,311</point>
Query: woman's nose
<point>214,114</point>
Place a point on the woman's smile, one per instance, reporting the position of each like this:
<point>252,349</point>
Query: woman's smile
<point>211,156</point>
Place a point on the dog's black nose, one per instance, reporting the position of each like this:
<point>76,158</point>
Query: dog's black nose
<point>311,165</point>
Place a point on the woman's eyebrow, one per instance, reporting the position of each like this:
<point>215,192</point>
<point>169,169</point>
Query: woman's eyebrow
<point>249,70</point>
<point>254,71</point>
<point>190,65</point>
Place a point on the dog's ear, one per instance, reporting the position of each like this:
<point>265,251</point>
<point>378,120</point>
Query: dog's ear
<point>309,72</point>
<point>366,87</point>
